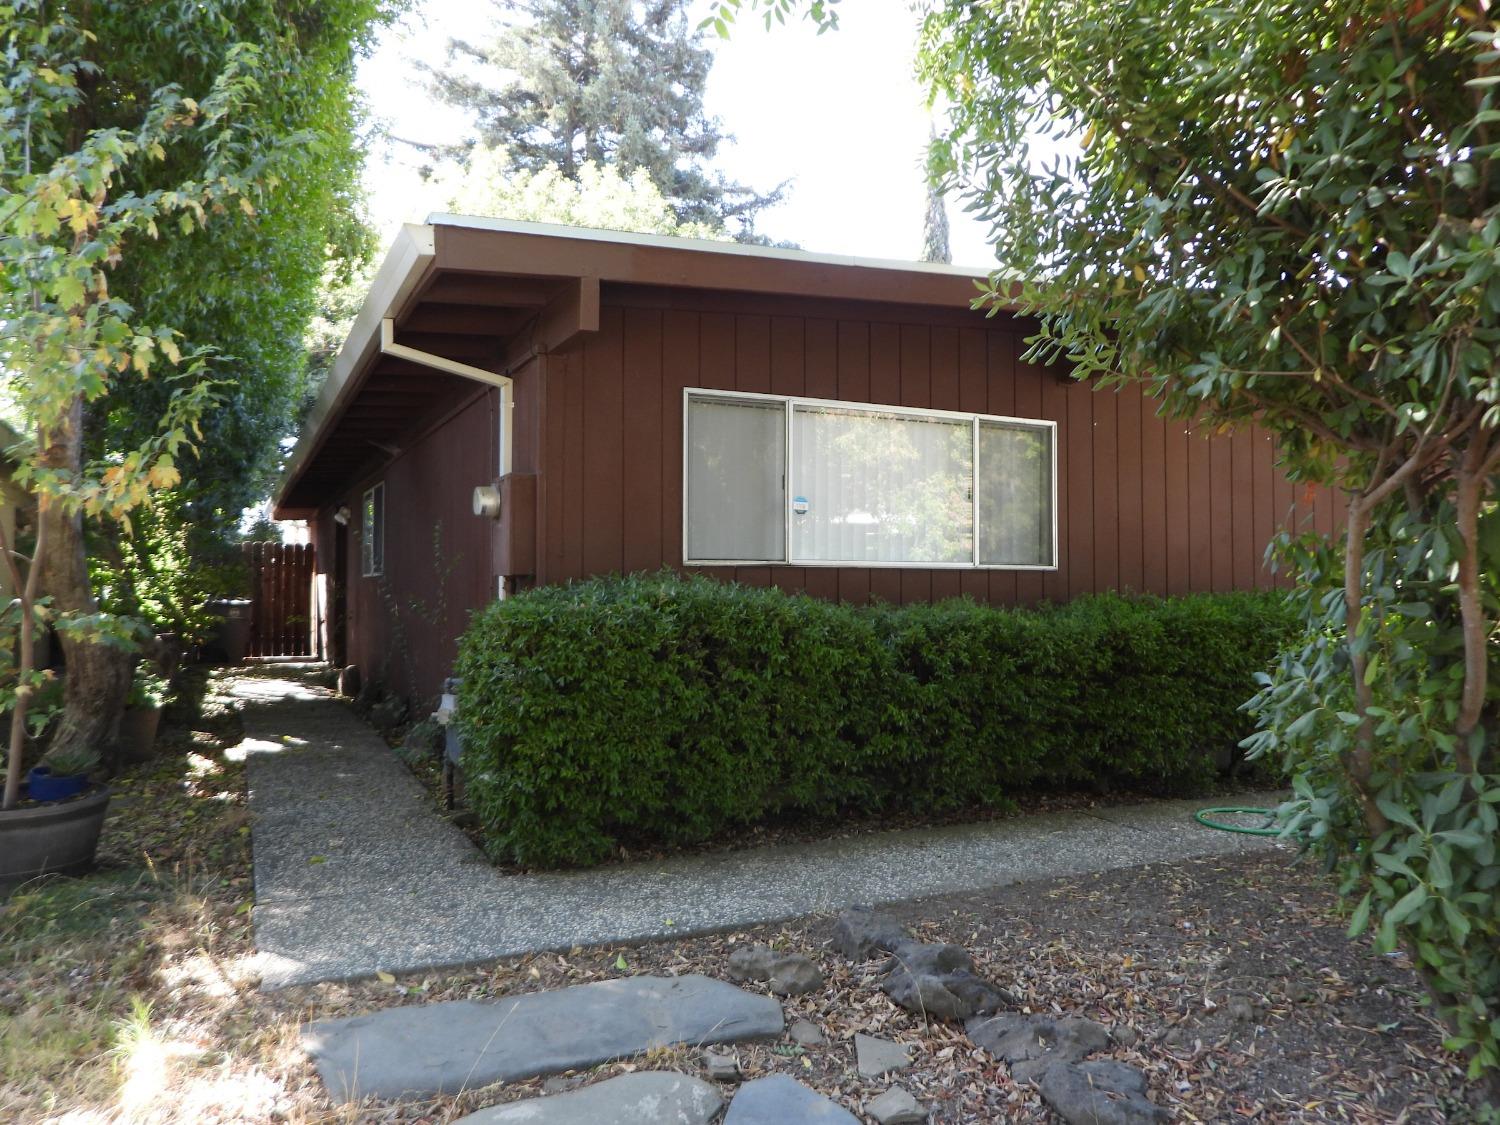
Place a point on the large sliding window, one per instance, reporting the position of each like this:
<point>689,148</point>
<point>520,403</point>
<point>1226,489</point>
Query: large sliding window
<point>809,482</point>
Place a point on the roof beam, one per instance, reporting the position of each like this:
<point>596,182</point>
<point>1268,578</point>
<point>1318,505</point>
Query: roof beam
<point>569,316</point>
<point>487,289</point>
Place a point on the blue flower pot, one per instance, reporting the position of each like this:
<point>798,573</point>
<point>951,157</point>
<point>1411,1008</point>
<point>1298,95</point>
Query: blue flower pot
<point>43,785</point>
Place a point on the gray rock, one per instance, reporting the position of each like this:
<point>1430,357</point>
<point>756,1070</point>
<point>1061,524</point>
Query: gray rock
<point>789,974</point>
<point>859,933</point>
<point>939,982</point>
<point>779,1100</point>
<point>1032,1043</point>
<point>722,1066</point>
<point>875,1057</point>
<point>896,1107</point>
<point>1101,1092</point>
<point>806,1034</point>
<point>430,1049</point>
<point>645,1098</point>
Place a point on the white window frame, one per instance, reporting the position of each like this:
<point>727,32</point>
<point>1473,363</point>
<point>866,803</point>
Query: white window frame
<point>790,403</point>
<point>371,565</point>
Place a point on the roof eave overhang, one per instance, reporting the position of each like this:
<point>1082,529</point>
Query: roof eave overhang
<point>401,274</point>
<point>461,246</point>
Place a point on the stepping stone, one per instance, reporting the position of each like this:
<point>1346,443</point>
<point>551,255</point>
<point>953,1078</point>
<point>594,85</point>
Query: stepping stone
<point>938,982</point>
<point>722,1066</point>
<point>806,1033</point>
<point>1101,1092</point>
<point>896,1107</point>
<point>789,974</point>
<point>458,1045</point>
<point>860,933</point>
<point>1030,1044</point>
<point>651,1097</point>
<point>779,1100</point>
<point>876,1056</point>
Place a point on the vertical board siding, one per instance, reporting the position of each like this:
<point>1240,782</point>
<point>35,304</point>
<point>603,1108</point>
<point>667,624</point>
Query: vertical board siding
<point>1221,513</point>
<point>1176,497</point>
<point>1130,533</point>
<point>403,627</point>
<point>604,446</point>
<point>1200,516</point>
<point>1242,478</point>
<point>1077,562</point>
<point>1143,502</point>
<point>1153,496</point>
<point>679,366</point>
<point>1108,482</point>
<point>641,418</point>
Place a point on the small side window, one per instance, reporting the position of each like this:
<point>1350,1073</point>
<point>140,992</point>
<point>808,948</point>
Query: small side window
<point>372,542</point>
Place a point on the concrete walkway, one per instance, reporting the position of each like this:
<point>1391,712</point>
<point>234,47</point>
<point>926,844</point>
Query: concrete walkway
<point>355,873</point>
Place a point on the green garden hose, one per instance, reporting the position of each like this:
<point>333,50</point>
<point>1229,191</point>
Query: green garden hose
<point>1204,817</point>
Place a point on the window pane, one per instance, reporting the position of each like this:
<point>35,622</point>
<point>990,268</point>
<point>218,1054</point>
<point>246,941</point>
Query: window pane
<point>367,535</point>
<point>874,487</point>
<point>735,506</point>
<point>1015,495</point>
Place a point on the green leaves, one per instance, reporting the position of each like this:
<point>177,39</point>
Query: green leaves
<point>1257,231</point>
<point>653,709</point>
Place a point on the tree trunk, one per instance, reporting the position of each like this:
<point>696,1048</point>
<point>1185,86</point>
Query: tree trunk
<point>1360,762</point>
<point>98,675</point>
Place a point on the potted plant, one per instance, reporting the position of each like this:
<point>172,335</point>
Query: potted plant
<point>60,775</point>
<point>54,826</point>
<point>148,692</point>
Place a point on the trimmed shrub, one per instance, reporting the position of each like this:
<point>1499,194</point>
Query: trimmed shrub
<point>657,708</point>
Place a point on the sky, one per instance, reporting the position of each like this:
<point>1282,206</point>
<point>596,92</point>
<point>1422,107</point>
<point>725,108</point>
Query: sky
<point>839,114</point>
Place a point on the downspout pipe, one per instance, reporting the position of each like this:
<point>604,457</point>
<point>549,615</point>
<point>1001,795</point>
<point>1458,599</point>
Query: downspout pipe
<point>505,383</point>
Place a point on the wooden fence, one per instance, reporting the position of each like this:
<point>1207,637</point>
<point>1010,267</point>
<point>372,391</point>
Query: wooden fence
<point>283,621</point>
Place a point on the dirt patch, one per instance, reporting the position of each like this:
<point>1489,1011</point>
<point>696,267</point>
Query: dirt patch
<point>1244,999</point>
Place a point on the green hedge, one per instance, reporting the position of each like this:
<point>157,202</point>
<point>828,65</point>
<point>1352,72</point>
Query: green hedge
<point>656,708</point>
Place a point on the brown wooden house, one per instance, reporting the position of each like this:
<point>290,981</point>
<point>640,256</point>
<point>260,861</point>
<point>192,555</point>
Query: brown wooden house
<point>521,404</point>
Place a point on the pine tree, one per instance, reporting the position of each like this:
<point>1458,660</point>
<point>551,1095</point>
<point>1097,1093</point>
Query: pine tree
<point>565,83</point>
<point>935,246</point>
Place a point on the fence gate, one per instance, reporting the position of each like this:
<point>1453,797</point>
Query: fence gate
<point>282,619</point>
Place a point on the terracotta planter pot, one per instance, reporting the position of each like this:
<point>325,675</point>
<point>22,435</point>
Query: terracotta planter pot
<point>138,732</point>
<point>50,839</point>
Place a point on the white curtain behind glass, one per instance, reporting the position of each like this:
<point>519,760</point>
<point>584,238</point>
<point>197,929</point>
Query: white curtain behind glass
<point>735,457</point>
<point>880,487</point>
<point>1015,495</point>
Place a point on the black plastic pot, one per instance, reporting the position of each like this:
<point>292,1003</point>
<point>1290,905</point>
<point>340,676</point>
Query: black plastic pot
<point>50,839</point>
<point>230,638</point>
